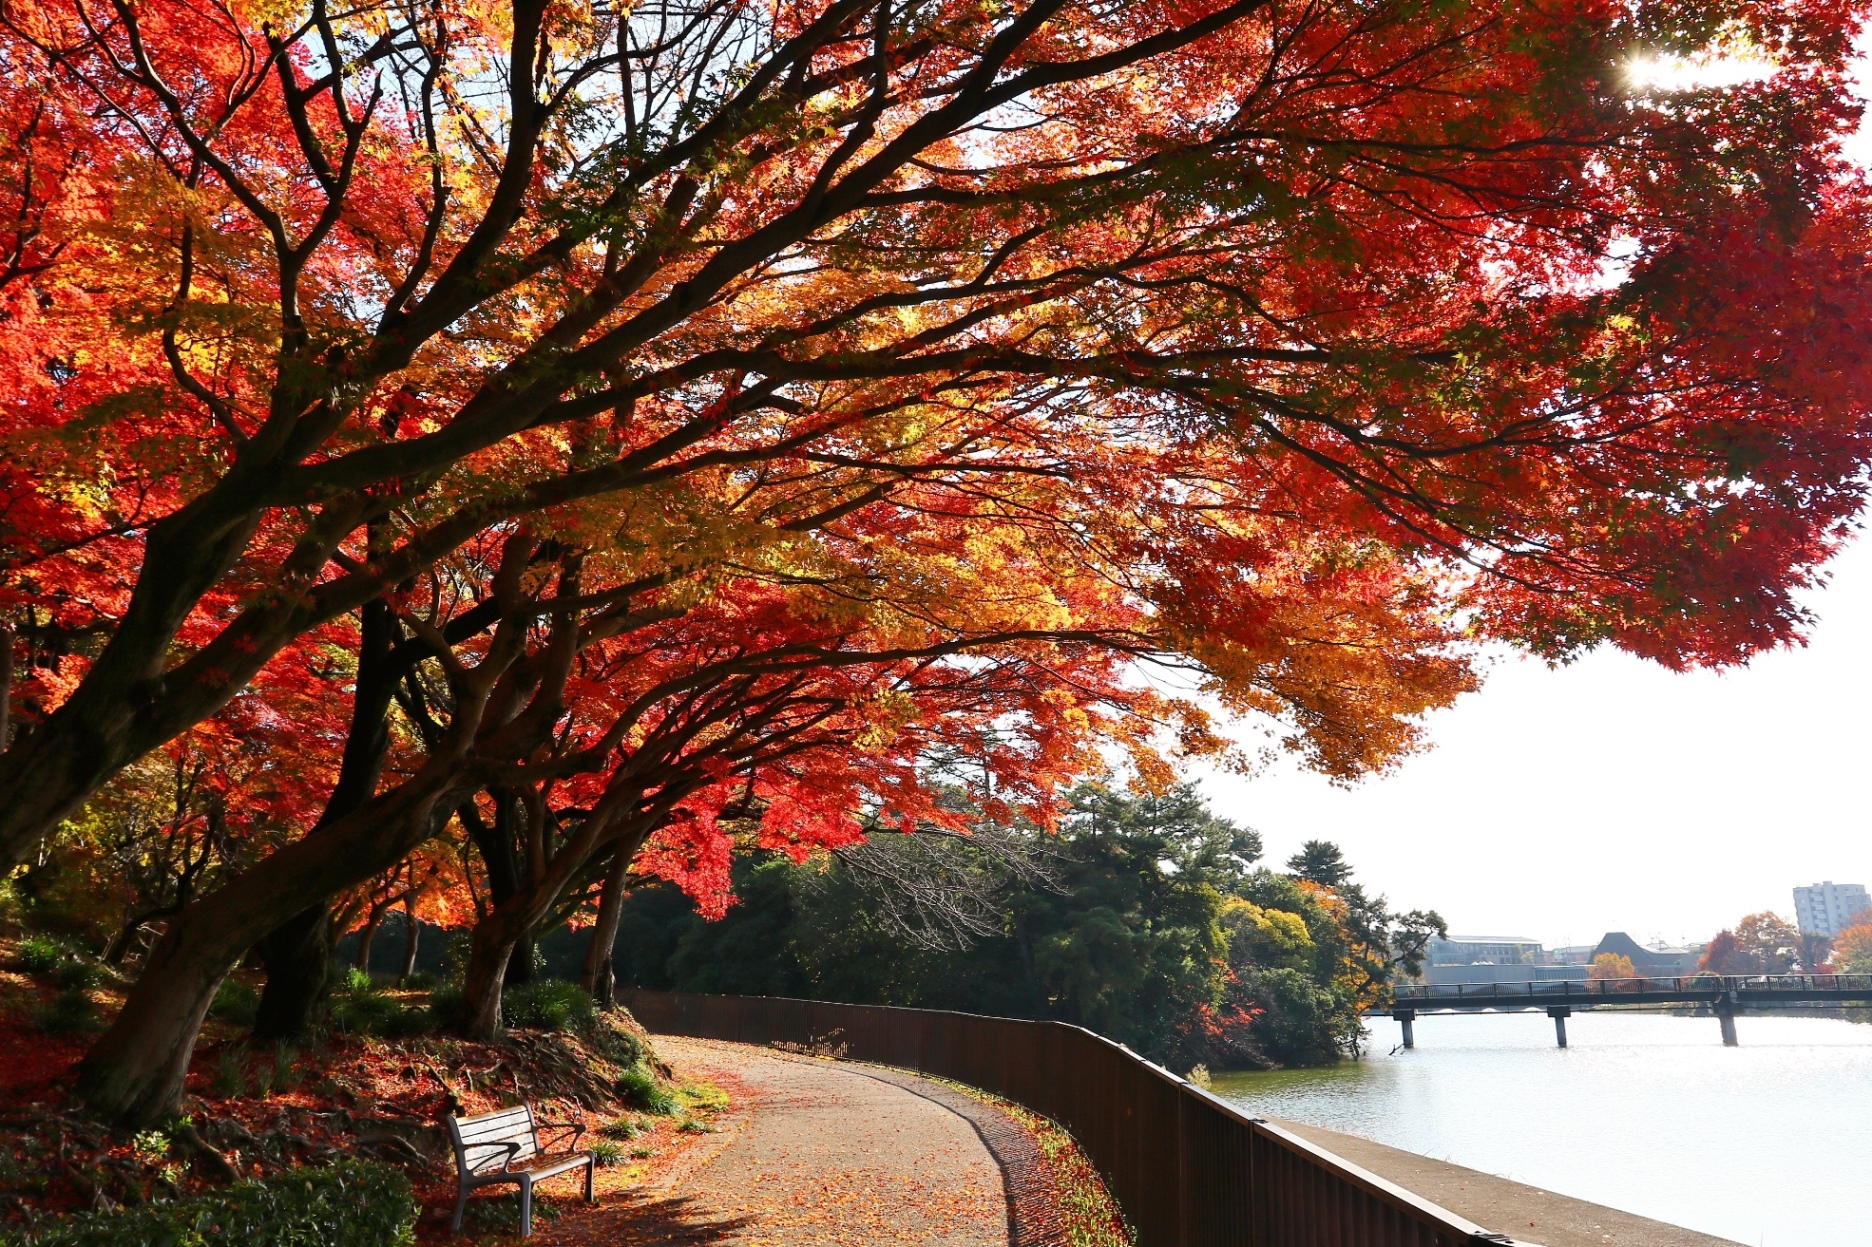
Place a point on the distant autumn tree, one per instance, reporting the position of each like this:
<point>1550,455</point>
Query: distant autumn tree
<point>1725,955</point>
<point>1763,943</point>
<point>1612,966</point>
<point>1427,300</point>
<point>1770,942</point>
<point>1852,949</point>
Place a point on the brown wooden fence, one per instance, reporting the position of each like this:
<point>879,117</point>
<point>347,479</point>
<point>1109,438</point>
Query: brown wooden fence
<point>1188,1169</point>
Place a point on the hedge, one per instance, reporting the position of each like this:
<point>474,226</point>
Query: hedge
<point>349,1204</point>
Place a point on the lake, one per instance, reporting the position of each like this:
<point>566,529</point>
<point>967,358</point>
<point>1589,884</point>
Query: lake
<point>1769,1143</point>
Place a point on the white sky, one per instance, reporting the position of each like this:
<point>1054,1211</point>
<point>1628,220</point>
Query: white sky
<point>1613,794</point>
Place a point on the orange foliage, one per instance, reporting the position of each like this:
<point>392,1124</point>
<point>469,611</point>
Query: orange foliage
<point>1612,966</point>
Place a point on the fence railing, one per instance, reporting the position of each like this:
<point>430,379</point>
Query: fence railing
<point>1187,1169</point>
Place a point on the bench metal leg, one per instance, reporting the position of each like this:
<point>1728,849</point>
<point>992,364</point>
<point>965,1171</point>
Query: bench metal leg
<point>591,1171</point>
<point>526,1206</point>
<point>461,1208</point>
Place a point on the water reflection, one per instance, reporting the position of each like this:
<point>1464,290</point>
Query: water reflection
<point>1767,1143</point>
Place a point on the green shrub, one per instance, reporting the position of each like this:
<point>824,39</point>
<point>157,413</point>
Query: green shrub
<point>448,1008</point>
<point>373,1013</point>
<point>360,1007</point>
<point>70,1013</point>
<point>605,1153</point>
<point>46,956</point>
<point>286,1072</point>
<point>616,1043</point>
<point>420,981</point>
<point>638,1087</point>
<point>235,1001</point>
<point>230,1075</point>
<point>354,1203</point>
<point>42,954</point>
<point>622,1128</point>
<point>548,1005</point>
<point>74,971</point>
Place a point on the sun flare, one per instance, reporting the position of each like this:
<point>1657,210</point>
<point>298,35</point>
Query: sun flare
<point>1702,71</point>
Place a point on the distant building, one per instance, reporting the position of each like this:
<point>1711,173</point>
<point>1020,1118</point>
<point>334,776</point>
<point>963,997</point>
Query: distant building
<point>1829,908</point>
<point>1482,972</point>
<point>1574,954</point>
<point>1486,950</point>
<point>1661,962</point>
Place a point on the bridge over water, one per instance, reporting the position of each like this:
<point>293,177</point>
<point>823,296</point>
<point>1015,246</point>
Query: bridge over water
<point>1724,996</point>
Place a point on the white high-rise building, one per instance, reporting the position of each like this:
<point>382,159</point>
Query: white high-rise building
<point>1829,908</point>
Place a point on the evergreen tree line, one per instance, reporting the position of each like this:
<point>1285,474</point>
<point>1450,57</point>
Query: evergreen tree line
<point>1145,918</point>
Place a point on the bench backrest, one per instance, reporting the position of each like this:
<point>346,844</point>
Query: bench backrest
<point>480,1141</point>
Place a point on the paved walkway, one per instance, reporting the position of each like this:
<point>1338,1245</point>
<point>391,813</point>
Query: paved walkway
<point>813,1154</point>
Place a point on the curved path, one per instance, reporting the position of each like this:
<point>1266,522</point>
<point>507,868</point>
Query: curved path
<point>812,1153</point>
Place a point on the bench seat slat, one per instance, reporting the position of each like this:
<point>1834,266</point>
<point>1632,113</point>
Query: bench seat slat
<point>560,1165</point>
<point>505,1121</point>
<point>518,1110</point>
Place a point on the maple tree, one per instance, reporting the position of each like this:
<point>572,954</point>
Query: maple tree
<point>1420,279</point>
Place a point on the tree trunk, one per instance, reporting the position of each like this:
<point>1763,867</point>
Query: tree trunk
<point>410,932</point>
<point>139,1082</point>
<point>7,639</point>
<point>297,958</point>
<point>134,1072</point>
<point>520,969</point>
<point>492,948</point>
<point>597,976</point>
<point>367,935</point>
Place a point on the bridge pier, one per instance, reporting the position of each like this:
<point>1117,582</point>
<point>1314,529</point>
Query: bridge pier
<point>1559,1014</point>
<point>1725,1013</point>
<point>1404,1018</point>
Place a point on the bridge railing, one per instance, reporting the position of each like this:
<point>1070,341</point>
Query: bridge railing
<point>1587,991</point>
<point>1186,1168</point>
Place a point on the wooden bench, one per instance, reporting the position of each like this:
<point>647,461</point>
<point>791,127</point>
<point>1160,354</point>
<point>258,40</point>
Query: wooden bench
<point>504,1147</point>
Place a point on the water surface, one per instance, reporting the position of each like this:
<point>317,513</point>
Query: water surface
<point>1769,1143</point>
